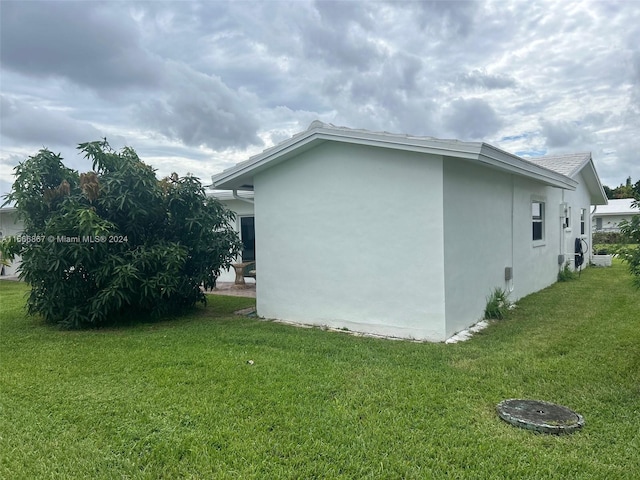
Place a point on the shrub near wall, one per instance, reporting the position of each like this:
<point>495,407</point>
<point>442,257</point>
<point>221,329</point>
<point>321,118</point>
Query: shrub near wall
<point>607,238</point>
<point>631,253</point>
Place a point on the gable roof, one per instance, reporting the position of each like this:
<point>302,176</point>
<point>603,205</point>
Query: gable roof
<point>618,206</point>
<point>240,176</point>
<point>570,165</point>
<point>567,164</point>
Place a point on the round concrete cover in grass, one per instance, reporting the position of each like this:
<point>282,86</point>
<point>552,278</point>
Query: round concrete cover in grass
<point>543,417</point>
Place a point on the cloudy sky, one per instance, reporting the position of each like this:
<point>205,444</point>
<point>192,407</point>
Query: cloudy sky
<point>198,86</point>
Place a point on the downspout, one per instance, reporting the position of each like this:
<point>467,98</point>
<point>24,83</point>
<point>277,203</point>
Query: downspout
<point>513,201</point>
<point>238,197</point>
<point>562,236</point>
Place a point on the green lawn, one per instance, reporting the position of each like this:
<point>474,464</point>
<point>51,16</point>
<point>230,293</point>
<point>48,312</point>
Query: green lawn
<point>177,399</point>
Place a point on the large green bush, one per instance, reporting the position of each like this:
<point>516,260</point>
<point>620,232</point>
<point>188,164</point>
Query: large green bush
<point>631,254</point>
<point>115,241</point>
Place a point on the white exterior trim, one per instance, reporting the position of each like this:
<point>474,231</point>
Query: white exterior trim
<point>240,177</point>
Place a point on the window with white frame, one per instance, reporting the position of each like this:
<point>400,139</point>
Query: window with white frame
<point>583,217</point>
<point>537,219</point>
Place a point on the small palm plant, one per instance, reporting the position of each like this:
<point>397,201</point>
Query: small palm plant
<point>498,304</point>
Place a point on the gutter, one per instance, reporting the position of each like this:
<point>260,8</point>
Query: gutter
<point>234,192</point>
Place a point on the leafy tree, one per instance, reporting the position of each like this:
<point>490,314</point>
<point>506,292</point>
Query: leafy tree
<point>628,190</point>
<point>631,254</point>
<point>115,241</point>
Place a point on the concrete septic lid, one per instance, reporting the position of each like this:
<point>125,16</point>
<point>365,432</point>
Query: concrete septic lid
<point>540,416</point>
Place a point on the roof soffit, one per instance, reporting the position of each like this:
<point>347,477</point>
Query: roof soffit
<point>592,181</point>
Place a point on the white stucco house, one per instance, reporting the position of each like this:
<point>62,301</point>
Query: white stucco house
<point>241,203</point>
<point>607,218</point>
<point>407,236</point>
<point>10,226</point>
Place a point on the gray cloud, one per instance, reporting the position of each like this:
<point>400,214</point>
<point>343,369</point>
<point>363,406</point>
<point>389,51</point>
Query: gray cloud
<point>199,109</point>
<point>340,40</point>
<point>34,125</point>
<point>446,19</point>
<point>482,79</point>
<point>202,84</point>
<point>561,133</point>
<point>88,43</point>
<point>472,119</point>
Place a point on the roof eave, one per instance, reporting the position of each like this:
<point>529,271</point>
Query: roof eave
<point>510,163</point>
<point>241,176</point>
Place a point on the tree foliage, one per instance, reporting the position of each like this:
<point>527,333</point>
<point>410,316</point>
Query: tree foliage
<point>628,190</point>
<point>115,241</point>
<point>631,254</point>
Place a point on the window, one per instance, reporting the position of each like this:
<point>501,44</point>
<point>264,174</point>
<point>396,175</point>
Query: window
<point>537,216</point>
<point>583,214</point>
<point>248,236</point>
<point>567,218</point>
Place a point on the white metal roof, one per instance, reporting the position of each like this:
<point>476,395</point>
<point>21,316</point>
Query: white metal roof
<point>240,176</point>
<point>571,164</point>
<point>568,164</point>
<point>618,206</point>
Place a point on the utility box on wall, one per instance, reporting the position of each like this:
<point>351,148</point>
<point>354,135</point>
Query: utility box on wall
<point>508,274</point>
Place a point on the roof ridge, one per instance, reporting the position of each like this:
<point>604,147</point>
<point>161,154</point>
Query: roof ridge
<point>317,124</point>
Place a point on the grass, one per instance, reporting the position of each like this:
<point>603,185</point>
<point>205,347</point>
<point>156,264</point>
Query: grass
<point>566,274</point>
<point>178,399</point>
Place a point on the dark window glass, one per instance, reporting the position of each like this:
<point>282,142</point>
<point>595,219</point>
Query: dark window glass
<point>537,230</point>
<point>537,216</point>
<point>248,236</point>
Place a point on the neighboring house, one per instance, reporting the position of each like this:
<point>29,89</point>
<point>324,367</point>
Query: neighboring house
<point>607,218</point>
<point>407,236</point>
<point>9,226</point>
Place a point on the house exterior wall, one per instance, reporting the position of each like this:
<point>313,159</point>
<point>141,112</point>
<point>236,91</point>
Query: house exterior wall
<point>488,227</point>
<point>10,226</point>
<point>478,239</point>
<point>351,236</point>
<point>241,209</point>
<point>578,200</point>
<point>535,263</point>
